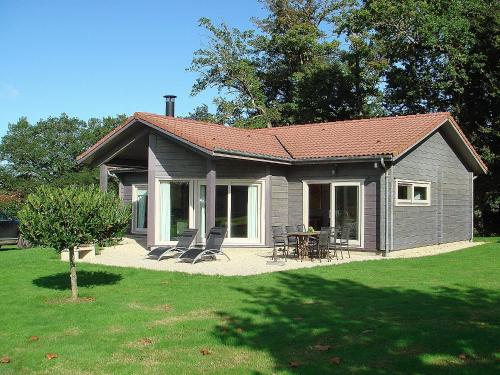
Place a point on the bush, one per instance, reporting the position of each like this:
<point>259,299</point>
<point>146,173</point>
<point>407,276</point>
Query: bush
<point>64,218</point>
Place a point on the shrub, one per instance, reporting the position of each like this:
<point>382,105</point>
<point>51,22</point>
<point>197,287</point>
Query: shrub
<point>64,218</point>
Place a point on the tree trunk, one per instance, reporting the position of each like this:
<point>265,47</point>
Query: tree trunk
<point>72,270</point>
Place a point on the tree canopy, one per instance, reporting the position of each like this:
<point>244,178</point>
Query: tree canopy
<point>45,152</point>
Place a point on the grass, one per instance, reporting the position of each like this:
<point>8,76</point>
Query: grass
<point>487,239</point>
<point>433,315</point>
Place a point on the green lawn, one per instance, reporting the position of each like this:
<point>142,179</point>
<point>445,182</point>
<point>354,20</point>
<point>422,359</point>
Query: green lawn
<point>414,316</point>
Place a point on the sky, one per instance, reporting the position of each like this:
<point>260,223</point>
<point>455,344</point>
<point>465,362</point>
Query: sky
<point>96,58</point>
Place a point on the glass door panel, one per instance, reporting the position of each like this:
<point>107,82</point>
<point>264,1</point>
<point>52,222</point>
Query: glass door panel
<point>221,205</point>
<point>237,208</point>
<point>174,209</point>
<point>141,209</point>
<point>347,209</point>
<point>203,211</point>
<point>319,205</point>
<point>239,211</point>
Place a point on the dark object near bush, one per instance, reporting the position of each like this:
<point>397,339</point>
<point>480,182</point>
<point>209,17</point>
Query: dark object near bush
<point>9,232</point>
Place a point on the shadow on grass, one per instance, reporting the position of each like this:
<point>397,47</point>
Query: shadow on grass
<point>61,281</point>
<point>9,247</point>
<point>372,330</point>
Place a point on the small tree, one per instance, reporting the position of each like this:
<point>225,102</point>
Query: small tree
<point>64,218</point>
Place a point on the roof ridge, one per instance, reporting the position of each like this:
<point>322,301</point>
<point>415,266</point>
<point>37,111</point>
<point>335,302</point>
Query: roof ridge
<point>371,119</point>
<point>382,118</point>
<point>180,119</point>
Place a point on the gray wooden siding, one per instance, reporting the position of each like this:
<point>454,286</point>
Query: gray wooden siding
<point>448,218</point>
<point>279,197</point>
<point>126,182</point>
<point>362,171</point>
<point>240,169</point>
<point>175,161</point>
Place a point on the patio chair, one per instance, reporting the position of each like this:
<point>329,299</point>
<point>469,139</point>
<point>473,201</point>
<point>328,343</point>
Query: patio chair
<point>321,247</point>
<point>212,248</point>
<point>280,241</point>
<point>334,242</point>
<point>185,240</point>
<point>291,240</point>
<point>343,241</point>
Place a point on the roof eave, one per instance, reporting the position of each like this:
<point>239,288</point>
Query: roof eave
<point>219,152</point>
<point>344,159</point>
<point>87,154</point>
<point>80,159</point>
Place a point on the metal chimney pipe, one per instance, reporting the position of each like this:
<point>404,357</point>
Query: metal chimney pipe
<point>170,105</point>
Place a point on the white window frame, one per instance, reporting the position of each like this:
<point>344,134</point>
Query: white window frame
<point>134,228</point>
<point>158,181</point>
<point>360,183</point>
<point>261,209</point>
<point>412,201</point>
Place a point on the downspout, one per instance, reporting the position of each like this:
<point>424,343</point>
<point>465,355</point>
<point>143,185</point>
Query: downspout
<point>472,207</point>
<point>110,174</point>
<point>386,210</point>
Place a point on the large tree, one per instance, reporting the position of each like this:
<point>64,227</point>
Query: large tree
<point>290,69</point>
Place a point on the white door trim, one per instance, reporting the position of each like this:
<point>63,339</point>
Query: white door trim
<point>134,228</point>
<point>261,209</point>
<point>158,181</point>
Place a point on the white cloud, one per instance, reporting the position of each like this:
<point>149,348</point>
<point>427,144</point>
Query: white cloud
<point>9,91</point>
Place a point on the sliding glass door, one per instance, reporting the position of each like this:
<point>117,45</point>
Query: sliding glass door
<point>329,204</point>
<point>237,207</point>
<point>347,209</point>
<point>174,197</point>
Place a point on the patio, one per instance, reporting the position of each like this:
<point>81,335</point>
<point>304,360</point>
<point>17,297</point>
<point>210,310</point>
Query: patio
<point>131,252</point>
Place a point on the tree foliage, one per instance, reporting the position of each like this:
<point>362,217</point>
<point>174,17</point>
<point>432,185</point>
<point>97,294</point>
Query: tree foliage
<point>45,152</point>
<point>289,70</point>
<point>64,218</point>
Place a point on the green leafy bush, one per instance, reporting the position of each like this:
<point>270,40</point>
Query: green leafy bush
<point>67,217</point>
<point>64,218</point>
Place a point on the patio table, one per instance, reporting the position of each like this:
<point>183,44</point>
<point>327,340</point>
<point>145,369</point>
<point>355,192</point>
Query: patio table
<point>302,242</point>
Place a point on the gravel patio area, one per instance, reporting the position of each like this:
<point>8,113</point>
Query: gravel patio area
<point>244,261</point>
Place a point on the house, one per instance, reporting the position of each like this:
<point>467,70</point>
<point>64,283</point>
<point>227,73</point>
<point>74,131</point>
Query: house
<point>402,181</point>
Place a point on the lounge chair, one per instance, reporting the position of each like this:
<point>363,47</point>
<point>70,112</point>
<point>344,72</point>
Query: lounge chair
<point>212,248</point>
<point>185,240</point>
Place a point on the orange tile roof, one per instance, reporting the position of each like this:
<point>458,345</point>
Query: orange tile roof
<point>353,138</point>
<point>215,137</point>
<point>368,137</point>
